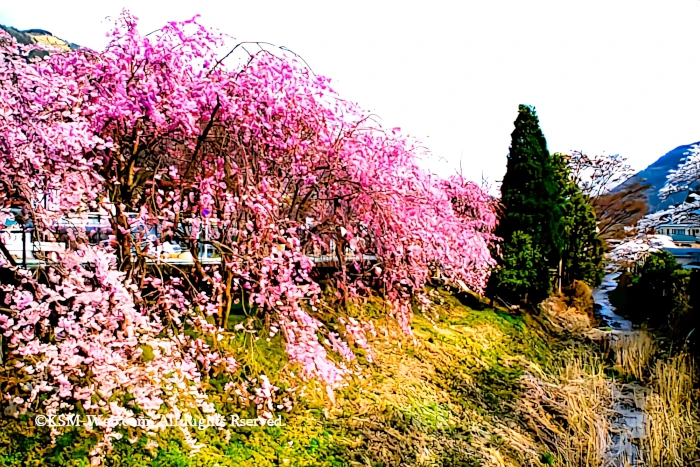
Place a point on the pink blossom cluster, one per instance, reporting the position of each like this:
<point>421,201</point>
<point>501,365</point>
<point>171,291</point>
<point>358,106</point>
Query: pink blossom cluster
<point>262,394</point>
<point>263,163</point>
<point>356,331</point>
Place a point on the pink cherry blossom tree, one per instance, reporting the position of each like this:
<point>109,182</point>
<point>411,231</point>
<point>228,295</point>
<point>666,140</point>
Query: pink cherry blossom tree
<point>262,164</point>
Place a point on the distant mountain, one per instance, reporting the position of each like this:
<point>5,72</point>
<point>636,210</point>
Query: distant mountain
<point>38,36</point>
<point>655,175</point>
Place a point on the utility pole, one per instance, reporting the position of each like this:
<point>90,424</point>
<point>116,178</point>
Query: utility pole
<point>24,246</point>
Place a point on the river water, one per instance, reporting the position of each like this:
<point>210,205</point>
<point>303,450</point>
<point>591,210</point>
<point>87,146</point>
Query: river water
<point>605,309</point>
<point>628,421</point>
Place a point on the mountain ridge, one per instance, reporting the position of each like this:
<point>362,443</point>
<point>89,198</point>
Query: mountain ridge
<point>655,175</point>
<point>38,36</point>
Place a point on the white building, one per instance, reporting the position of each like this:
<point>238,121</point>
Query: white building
<point>692,230</point>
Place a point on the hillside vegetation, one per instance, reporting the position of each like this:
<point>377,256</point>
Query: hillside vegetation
<point>474,385</point>
<point>450,395</point>
<point>320,279</point>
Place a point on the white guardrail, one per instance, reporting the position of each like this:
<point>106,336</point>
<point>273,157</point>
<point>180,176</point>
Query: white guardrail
<point>31,254</point>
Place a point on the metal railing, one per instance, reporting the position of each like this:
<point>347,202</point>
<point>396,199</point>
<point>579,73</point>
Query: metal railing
<point>32,254</point>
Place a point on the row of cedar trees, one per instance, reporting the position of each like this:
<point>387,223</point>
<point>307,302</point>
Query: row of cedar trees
<point>551,234</point>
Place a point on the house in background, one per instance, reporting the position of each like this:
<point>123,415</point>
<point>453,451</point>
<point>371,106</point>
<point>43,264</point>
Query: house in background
<point>689,258</point>
<point>683,235</point>
<point>686,237</point>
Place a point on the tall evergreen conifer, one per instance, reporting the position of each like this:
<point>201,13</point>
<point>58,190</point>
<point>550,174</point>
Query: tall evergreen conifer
<point>531,225</point>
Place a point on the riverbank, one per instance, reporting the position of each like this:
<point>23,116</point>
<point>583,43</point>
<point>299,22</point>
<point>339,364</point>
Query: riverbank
<point>474,386</point>
<point>451,394</point>
<point>655,419</point>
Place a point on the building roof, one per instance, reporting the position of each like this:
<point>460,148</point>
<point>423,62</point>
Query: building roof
<point>680,252</point>
<point>684,238</point>
<point>682,226</point>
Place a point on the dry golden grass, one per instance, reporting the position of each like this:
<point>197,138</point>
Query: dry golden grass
<point>572,414</point>
<point>407,407</point>
<point>672,433</point>
<point>425,396</point>
<point>633,351</point>
<point>672,425</point>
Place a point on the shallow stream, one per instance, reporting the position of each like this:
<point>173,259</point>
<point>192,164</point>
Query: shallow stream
<point>605,309</point>
<point>628,421</point>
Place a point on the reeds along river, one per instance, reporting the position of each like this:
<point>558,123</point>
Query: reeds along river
<point>653,421</point>
<point>628,419</point>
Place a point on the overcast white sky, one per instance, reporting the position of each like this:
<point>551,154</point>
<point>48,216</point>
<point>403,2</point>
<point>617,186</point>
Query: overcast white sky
<point>615,76</point>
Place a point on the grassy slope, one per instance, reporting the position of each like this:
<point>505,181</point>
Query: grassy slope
<point>445,397</point>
